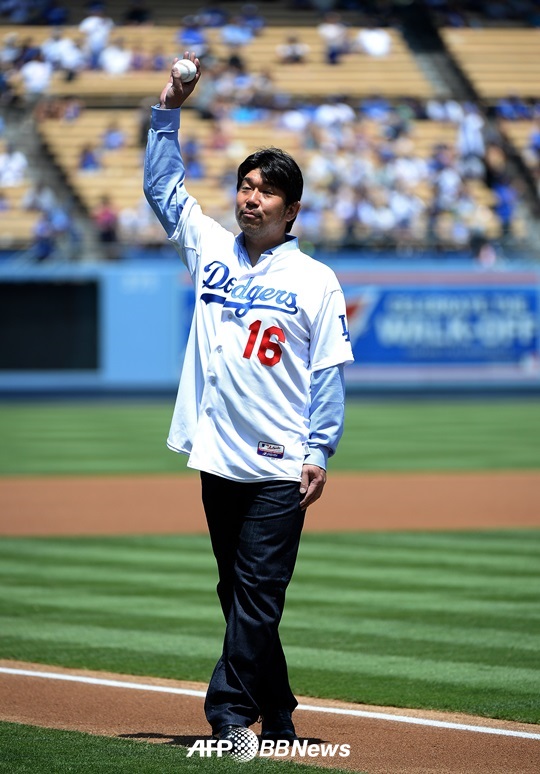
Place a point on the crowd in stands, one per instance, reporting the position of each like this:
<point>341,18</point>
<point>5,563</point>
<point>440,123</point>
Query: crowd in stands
<point>366,180</point>
<point>53,232</point>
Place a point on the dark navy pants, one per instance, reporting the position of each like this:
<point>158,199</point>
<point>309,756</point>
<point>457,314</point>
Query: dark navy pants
<point>255,531</point>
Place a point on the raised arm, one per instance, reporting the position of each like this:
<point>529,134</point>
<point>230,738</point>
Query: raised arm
<point>163,165</point>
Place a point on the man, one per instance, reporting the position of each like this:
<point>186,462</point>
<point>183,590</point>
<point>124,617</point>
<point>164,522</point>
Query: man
<point>260,402</point>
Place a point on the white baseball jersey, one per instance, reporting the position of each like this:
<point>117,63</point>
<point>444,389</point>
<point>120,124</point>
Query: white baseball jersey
<point>258,332</point>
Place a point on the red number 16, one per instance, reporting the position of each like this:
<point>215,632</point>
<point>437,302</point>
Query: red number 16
<point>269,352</point>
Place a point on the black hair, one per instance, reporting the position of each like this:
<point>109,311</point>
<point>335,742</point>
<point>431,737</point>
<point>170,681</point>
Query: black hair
<point>277,168</point>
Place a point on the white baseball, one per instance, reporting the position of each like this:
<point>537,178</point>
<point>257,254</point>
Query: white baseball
<point>185,69</point>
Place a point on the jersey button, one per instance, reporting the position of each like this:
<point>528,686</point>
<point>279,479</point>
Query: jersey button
<point>229,316</point>
<point>209,411</point>
<point>212,380</point>
<point>219,349</point>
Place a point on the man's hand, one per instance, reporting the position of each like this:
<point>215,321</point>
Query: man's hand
<point>176,91</point>
<point>312,484</point>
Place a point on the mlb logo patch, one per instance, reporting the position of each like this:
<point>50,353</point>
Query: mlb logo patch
<point>266,449</point>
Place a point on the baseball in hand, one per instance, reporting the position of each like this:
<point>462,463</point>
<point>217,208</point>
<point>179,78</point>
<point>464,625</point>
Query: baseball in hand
<point>185,70</point>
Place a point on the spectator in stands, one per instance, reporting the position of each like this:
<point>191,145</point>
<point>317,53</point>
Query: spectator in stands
<point>373,41</point>
<point>96,28</point>
<point>496,163</point>
<point>73,60</point>
<point>52,46</point>
<point>13,166</point>
<point>43,238</point>
<point>8,95</point>
<point>137,12</point>
<point>105,218</point>
<point>251,18</point>
<point>191,153</point>
<point>376,107</point>
<point>532,150</point>
<point>292,51</point>
<point>335,36</point>
<point>513,108</point>
<point>10,50</point>
<point>139,225</point>
<point>72,109</point>
<point>506,199</point>
<point>212,16</point>
<point>407,209</point>
<point>219,138</point>
<point>236,33</point>
<point>375,215</point>
<point>265,91</point>
<point>115,59</point>
<point>114,137</point>
<point>408,168</point>
<point>89,159</point>
<point>140,60</point>
<point>18,11</point>
<point>35,76</point>
<point>334,113</point>
<point>28,50</point>
<point>5,205</point>
<point>158,60</point>
<point>192,36</point>
<point>470,142</point>
<point>398,124</point>
<point>55,14</point>
<point>64,54</point>
<point>441,109</point>
<point>39,198</point>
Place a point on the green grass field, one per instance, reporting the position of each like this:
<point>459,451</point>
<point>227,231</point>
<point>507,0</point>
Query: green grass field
<point>449,621</point>
<point>130,438</point>
<point>29,750</point>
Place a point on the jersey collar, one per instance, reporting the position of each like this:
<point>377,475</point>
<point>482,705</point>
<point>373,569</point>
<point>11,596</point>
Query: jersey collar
<point>290,244</point>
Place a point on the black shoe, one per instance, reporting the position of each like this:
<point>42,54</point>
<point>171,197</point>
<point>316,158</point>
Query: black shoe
<point>277,726</point>
<point>226,732</point>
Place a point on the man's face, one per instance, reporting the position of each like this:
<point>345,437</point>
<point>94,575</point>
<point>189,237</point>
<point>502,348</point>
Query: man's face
<point>261,211</point>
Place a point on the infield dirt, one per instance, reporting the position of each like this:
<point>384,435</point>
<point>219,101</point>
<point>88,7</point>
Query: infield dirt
<point>79,505</point>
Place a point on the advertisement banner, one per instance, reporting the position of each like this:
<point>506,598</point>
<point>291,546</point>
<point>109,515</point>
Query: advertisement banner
<point>447,328</point>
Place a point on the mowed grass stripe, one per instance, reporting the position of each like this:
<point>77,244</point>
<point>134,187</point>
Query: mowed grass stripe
<point>92,438</point>
<point>484,547</point>
<point>96,438</point>
<point>138,612</point>
<point>441,435</point>
<point>522,587</point>
<point>362,661</point>
<point>411,621</point>
<point>168,552</point>
<point>468,621</point>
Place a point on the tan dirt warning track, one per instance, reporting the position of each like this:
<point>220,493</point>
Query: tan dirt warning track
<point>377,746</point>
<point>82,505</point>
<point>171,504</point>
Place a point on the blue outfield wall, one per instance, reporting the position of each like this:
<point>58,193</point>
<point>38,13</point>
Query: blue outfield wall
<point>413,326</point>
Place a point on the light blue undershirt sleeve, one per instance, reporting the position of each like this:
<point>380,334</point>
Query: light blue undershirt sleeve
<point>164,169</point>
<point>326,414</point>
